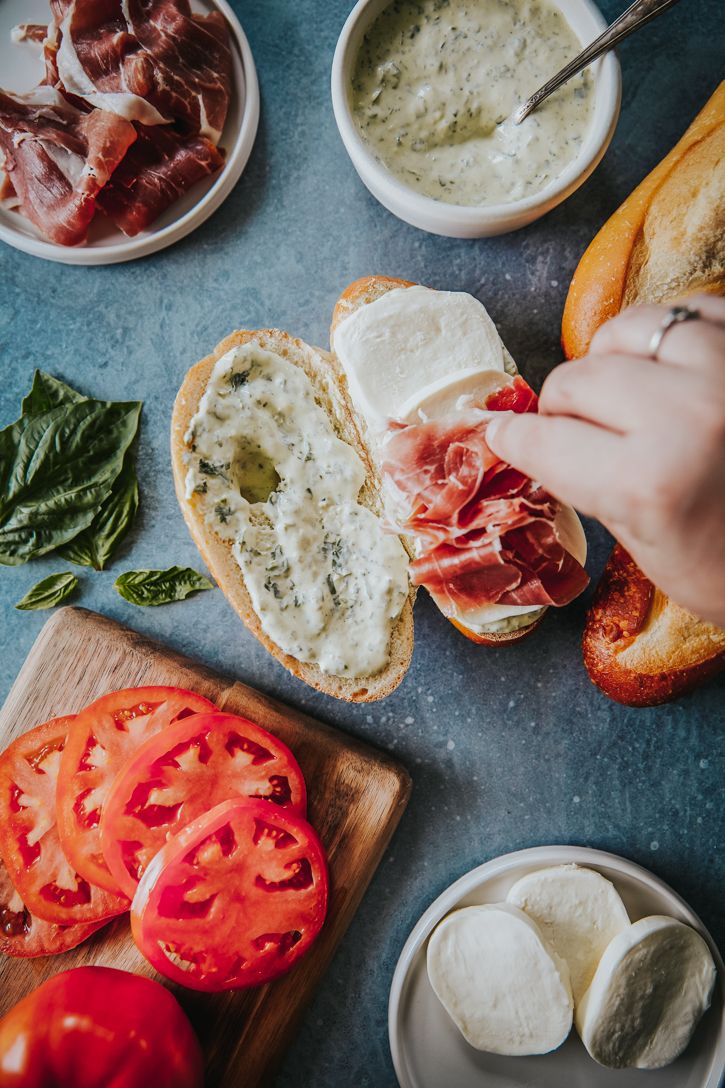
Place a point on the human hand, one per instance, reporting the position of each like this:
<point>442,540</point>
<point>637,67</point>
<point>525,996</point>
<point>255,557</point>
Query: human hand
<point>640,444</point>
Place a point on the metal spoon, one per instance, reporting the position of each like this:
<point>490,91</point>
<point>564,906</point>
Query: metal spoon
<point>639,13</point>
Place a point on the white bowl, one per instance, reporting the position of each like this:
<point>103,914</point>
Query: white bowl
<point>22,69</point>
<point>456,221</point>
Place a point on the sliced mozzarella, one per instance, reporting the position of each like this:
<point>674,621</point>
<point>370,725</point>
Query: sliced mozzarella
<point>417,354</point>
<point>578,911</point>
<point>651,987</point>
<point>504,988</point>
<point>469,389</point>
<point>409,339</point>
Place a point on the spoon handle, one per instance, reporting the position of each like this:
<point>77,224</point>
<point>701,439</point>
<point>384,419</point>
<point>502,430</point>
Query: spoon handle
<point>636,15</point>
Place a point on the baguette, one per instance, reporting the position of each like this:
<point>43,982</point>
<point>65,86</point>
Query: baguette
<point>322,371</point>
<point>665,241</point>
<point>361,293</point>
<point>667,238</point>
<point>640,647</point>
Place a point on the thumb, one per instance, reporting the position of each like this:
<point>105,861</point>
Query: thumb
<point>498,433</point>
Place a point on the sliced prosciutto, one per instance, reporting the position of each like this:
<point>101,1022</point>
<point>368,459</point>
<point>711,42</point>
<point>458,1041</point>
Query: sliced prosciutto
<point>157,170</point>
<point>29,32</point>
<point>151,61</point>
<point>485,533</point>
<point>58,158</point>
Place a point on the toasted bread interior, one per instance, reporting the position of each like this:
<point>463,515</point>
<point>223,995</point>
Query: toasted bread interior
<point>321,369</point>
<point>671,639</point>
<point>681,245</point>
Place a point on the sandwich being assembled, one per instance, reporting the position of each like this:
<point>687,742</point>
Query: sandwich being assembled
<point>490,545</point>
<point>322,488</point>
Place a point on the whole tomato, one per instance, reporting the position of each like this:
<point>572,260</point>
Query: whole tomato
<point>95,1027</point>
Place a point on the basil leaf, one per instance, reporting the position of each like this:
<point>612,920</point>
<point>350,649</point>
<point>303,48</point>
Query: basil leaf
<point>56,469</point>
<point>48,593</point>
<point>154,587</point>
<point>94,546</point>
<point>48,392</point>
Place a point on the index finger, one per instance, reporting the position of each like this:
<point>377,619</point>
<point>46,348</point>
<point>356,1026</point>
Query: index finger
<point>575,461</point>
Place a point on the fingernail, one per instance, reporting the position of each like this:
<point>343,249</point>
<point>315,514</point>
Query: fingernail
<point>494,427</point>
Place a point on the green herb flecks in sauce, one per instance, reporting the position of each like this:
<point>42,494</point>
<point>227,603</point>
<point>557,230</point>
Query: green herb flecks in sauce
<point>436,82</point>
<point>275,480</point>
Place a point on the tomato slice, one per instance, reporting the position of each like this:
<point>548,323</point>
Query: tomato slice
<point>23,934</point>
<point>102,738</point>
<point>29,844</point>
<point>182,772</point>
<point>235,899</point>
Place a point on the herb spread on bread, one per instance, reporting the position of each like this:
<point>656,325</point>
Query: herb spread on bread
<point>274,480</point>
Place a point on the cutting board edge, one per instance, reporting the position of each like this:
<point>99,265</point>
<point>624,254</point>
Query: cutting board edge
<point>393,780</point>
<point>139,641</point>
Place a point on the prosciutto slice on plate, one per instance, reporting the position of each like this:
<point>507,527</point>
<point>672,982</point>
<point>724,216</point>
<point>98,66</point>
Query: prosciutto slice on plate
<point>151,61</point>
<point>485,533</point>
<point>157,170</point>
<point>57,159</point>
<point>30,32</point>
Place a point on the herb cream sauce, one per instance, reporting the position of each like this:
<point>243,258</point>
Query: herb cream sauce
<point>435,84</point>
<point>273,478</point>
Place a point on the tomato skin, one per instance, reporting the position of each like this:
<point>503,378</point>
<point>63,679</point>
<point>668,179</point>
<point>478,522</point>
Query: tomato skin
<point>24,935</point>
<point>182,772</point>
<point>96,1027</point>
<point>101,739</point>
<point>234,899</point>
<point>29,841</point>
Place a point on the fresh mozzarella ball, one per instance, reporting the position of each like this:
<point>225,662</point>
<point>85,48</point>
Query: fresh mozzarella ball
<point>505,989</point>
<point>578,911</point>
<point>651,987</point>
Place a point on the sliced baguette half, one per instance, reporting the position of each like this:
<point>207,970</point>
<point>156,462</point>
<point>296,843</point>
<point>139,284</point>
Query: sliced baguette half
<point>640,647</point>
<point>361,293</point>
<point>664,242</point>
<point>320,368</point>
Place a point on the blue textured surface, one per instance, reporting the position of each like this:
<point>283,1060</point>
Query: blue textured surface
<point>507,748</point>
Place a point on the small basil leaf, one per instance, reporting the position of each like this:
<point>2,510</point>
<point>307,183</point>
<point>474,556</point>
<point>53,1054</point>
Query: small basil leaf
<point>154,587</point>
<point>56,469</point>
<point>48,392</point>
<point>95,545</point>
<point>48,593</point>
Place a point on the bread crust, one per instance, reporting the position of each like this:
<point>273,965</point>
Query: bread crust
<point>625,263</point>
<point>666,240</point>
<point>321,369</point>
<point>359,293</point>
<point>639,647</point>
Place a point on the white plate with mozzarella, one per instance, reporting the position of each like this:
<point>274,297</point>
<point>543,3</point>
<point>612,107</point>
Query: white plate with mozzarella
<point>21,65</point>
<point>427,1047</point>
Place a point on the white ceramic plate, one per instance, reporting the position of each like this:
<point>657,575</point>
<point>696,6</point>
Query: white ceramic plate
<point>22,69</point>
<point>429,1051</point>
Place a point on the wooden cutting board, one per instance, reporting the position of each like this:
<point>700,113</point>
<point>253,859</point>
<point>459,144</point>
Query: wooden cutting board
<point>356,798</point>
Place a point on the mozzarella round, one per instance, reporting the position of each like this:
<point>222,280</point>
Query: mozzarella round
<point>448,395</point>
<point>651,987</point>
<point>392,349</point>
<point>504,988</point>
<point>418,354</point>
<point>578,911</point>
